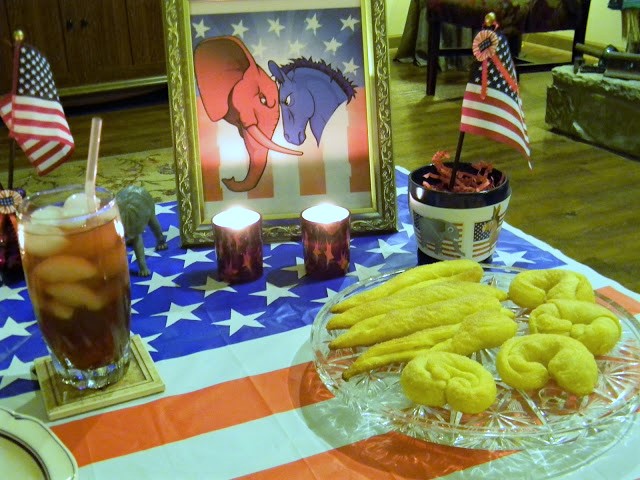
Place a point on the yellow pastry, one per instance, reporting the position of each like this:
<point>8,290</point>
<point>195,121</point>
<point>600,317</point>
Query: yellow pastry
<point>531,288</point>
<point>439,378</point>
<point>408,278</point>
<point>480,330</point>
<point>595,326</point>
<point>424,293</point>
<point>530,361</point>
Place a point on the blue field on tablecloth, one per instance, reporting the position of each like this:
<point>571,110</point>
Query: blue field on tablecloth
<point>182,309</point>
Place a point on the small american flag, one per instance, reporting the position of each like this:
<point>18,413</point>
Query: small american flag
<point>33,114</point>
<point>491,106</point>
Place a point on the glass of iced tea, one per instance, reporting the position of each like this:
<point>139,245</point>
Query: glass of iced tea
<point>75,264</point>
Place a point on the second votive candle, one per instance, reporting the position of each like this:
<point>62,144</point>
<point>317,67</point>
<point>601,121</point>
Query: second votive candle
<point>326,236</point>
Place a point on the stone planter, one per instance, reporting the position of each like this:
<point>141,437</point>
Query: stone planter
<point>457,225</point>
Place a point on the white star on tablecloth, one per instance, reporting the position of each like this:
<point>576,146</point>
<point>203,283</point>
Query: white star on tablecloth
<point>146,341</point>
<point>8,293</point>
<point>200,28</point>
<point>298,268</point>
<point>237,320</point>
<point>194,256</point>
<point>148,252</point>
<point>16,369</point>
<point>171,233</point>
<point>212,286</point>
<point>330,294</point>
<point>409,228</point>
<point>179,312</point>
<point>510,258</point>
<point>387,249</point>
<point>402,191</point>
<point>273,293</point>
<point>158,281</point>
<point>12,328</point>
<point>279,244</point>
<point>160,209</point>
<point>364,273</point>
<point>133,302</point>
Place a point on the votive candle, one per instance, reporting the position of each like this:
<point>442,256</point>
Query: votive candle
<point>325,240</point>
<point>238,240</point>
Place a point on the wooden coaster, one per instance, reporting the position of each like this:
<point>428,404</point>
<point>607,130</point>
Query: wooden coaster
<point>62,400</point>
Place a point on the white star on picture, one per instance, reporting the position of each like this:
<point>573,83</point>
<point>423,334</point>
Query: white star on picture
<point>239,29</point>
<point>349,23</point>
<point>8,293</point>
<point>408,228</point>
<point>194,256</point>
<point>146,341</point>
<point>275,26</point>
<point>510,258</point>
<point>259,49</point>
<point>295,48</point>
<point>313,23</point>
<point>212,286</point>
<point>332,46</point>
<point>179,312</point>
<point>387,249</point>
<point>330,294</point>
<point>363,273</point>
<point>158,281</point>
<point>160,209</point>
<point>237,320</point>
<point>350,67</point>
<point>148,252</point>
<point>12,328</point>
<point>133,302</point>
<point>298,267</point>
<point>16,369</point>
<point>171,233</point>
<point>200,28</point>
<point>273,293</point>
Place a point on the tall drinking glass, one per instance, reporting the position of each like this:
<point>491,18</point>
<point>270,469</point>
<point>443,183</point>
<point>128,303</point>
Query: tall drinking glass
<point>77,275</point>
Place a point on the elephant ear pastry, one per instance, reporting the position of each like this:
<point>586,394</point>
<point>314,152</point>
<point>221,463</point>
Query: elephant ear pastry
<point>529,362</point>
<point>593,325</point>
<point>408,278</point>
<point>439,378</point>
<point>532,288</point>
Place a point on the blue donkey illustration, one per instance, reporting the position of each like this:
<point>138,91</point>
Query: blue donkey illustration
<point>309,93</point>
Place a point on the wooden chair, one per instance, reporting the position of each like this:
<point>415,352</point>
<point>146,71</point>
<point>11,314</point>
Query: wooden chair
<point>515,19</point>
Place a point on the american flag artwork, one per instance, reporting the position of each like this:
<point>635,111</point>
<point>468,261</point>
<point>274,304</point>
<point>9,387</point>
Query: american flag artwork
<point>491,105</point>
<point>333,165</point>
<point>485,234</point>
<point>33,113</point>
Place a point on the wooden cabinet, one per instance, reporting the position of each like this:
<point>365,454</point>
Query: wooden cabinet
<point>91,45</point>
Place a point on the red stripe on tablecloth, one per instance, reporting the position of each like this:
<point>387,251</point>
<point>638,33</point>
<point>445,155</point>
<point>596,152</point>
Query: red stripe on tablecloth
<point>621,299</point>
<point>170,419</point>
<point>391,456</point>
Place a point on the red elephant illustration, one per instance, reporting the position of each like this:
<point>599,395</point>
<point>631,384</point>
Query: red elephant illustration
<point>234,88</point>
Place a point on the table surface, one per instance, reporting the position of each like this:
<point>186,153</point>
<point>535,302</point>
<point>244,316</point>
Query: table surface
<point>242,396</point>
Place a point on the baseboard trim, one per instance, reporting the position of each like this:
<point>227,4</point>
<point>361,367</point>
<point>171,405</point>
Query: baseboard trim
<point>559,42</point>
<point>394,41</point>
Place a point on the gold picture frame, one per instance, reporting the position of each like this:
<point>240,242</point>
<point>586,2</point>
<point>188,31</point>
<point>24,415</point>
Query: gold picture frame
<point>346,160</point>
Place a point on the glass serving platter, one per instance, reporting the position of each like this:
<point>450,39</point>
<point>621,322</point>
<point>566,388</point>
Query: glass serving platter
<point>517,419</point>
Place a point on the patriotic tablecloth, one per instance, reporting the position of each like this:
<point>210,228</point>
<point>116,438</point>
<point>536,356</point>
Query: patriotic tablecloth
<point>242,396</point>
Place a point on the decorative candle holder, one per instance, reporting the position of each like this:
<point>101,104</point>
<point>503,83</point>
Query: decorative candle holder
<point>325,240</point>
<point>238,238</point>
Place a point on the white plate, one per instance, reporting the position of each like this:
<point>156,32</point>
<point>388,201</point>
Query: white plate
<point>30,450</point>
<point>517,419</point>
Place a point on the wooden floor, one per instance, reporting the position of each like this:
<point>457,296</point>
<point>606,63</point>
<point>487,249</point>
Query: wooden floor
<point>581,199</point>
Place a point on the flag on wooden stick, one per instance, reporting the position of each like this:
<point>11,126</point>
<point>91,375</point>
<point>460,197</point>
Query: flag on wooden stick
<point>491,106</point>
<point>33,113</point>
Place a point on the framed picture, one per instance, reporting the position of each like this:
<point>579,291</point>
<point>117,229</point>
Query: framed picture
<point>276,106</point>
